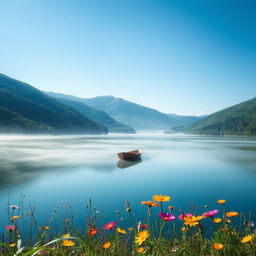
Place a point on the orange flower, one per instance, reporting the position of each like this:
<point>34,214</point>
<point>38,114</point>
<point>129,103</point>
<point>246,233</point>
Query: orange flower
<point>218,246</point>
<point>121,231</point>
<point>246,239</point>
<point>217,220</point>
<point>221,201</point>
<point>161,198</point>
<point>150,203</point>
<point>106,245</point>
<point>232,214</point>
<point>15,217</point>
<point>140,249</point>
<point>67,243</point>
<point>170,207</point>
<point>92,231</point>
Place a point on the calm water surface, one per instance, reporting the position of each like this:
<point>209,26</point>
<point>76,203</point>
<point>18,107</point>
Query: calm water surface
<point>193,170</point>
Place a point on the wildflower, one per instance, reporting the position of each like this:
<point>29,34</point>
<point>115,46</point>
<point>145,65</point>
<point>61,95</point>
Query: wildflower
<point>66,235</point>
<point>121,231</point>
<point>170,207</point>
<point>218,246</point>
<point>67,243</point>
<point>140,249</point>
<point>150,203</point>
<point>228,221</point>
<point>92,231</point>
<point>10,227</point>
<point>192,221</point>
<point>141,237</point>
<point>46,228</point>
<point>110,225</point>
<point>143,226</point>
<point>130,229</point>
<point>15,217</point>
<point>166,216</point>
<point>106,245</point>
<point>13,206</point>
<point>183,229</point>
<point>232,214</point>
<point>217,220</point>
<point>12,245</point>
<point>246,239</point>
<point>210,213</point>
<point>161,198</point>
<point>182,216</point>
<point>221,201</point>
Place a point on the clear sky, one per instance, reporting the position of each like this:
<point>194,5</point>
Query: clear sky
<point>185,57</point>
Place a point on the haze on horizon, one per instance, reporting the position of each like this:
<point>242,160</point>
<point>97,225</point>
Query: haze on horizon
<point>182,57</point>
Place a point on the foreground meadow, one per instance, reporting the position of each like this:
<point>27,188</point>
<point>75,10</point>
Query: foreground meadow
<point>163,230</point>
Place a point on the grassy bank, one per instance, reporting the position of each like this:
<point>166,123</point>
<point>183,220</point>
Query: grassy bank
<point>212,232</point>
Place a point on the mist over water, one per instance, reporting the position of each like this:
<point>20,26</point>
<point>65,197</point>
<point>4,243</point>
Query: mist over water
<point>58,170</point>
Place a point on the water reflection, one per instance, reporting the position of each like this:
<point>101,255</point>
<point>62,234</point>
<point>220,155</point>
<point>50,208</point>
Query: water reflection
<point>126,164</point>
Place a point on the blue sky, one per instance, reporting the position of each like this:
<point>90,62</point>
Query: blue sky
<point>184,57</point>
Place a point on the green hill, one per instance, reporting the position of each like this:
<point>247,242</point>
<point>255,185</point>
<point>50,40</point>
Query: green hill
<point>93,113</point>
<point>236,120</point>
<point>24,109</point>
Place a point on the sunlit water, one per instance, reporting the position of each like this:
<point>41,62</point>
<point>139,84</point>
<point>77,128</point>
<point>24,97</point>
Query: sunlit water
<point>61,170</point>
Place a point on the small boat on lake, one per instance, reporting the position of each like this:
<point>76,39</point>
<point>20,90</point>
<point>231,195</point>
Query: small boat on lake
<point>130,156</point>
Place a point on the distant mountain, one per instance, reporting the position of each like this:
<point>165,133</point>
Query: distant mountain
<point>135,115</point>
<point>236,120</point>
<point>187,120</point>
<point>93,113</point>
<point>24,109</point>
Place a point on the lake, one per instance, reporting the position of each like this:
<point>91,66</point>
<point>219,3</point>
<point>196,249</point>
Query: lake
<point>55,171</point>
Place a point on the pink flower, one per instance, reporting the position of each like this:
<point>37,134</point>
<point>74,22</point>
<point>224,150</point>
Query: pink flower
<point>110,225</point>
<point>166,216</point>
<point>210,213</point>
<point>183,215</point>
<point>10,227</point>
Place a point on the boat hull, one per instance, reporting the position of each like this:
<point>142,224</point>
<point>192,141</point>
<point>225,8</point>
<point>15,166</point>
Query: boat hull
<point>130,156</point>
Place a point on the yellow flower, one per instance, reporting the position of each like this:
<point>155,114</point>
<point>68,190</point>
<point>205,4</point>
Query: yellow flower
<point>66,235</point>
<point>221,201</point>
<point>217,220</point>
<point>106,245</point>
<point>192,221</point>
<point>232,214</point>
<point>246,239</point>
<point>12,245</point>
<point>140,249</point>
<point>15,217</point>
<point>46,228</point>
<point>141,237</point>
<point>218,246</point>
<point>121,231</point>
<point>161,198</point>
<point>183,229</point>
<point>67,243</point>
<point>150,203</point>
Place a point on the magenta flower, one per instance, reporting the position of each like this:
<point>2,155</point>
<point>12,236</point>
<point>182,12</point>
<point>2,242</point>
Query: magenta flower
<point>183,215</point>
<point>10,227</point>
<point>110,225</point>
<point>210,213</point>
<point>166,216</point>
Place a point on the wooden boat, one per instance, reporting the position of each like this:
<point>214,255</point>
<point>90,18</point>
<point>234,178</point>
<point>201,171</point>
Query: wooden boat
<point>130,156</point>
